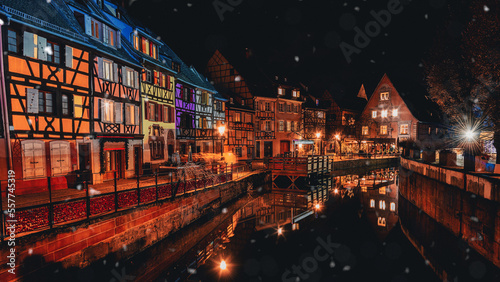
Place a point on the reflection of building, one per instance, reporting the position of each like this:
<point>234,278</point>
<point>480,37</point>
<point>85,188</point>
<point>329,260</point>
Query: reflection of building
<point>380,201</point>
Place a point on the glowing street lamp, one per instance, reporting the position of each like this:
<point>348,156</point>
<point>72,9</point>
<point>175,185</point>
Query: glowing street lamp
<point>318,136</point>
<point>317,206</point>
<point>223,265</point>
<point>280,231</point>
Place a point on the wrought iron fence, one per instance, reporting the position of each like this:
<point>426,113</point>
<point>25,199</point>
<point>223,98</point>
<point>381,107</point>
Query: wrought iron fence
<point>94,201</point>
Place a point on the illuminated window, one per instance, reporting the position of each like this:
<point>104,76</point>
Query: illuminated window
<point>95,28</point>
<point>403,129</point>
<point>393,206</point>
<point>107,68</point>
<point>293,126</point>
<point>131,114</point>
<point>381,204</point>
<point>374,114</point>
<point>363,189</point>
<point>381,221</point>
<point>118,112</point>
<point>381,190</point>
<point>268,106</point>
<point>129,77</point>
<point>384,96</point>
<point>107,111</point>
<point>321,114</point>
<point>383,113</point>
<point>372,203</point>
<point>383,129</point>
<point>295,93</point>
<point>237,117</point>
<point>395,112</point>
<point>288,126</point>
<point>136,43</point>
<point>280,91</point>
<point>364,130</point>
<point>281,126</point>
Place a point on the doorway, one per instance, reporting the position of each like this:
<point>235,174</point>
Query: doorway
<point>84,163</point>
<point>268,148</point>
<point>257,150</point>
<point>284,147</point>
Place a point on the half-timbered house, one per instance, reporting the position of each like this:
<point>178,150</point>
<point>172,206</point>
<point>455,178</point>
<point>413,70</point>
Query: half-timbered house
<point>185,122</point>
<point>314,122</point>
<point>157,87</point>
<point>219,118</point>
<point>391,116</point>
<point>116,123</point>
<point>239,112</point>
<point>47,66</point>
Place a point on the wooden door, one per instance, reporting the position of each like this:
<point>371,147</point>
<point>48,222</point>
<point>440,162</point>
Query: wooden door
<point>284,147</point>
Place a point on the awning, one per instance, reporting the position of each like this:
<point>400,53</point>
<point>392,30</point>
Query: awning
<point>304,142</point>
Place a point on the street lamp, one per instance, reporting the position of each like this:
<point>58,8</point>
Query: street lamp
<point>222,129</point>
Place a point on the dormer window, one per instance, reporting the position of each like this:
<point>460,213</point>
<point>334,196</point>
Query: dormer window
<point>102,32</point>
<point>295,94</point>
<point>383,113</point>
<point>374,114</point>
<point>145,46</point>
<point>384,96</point>
<point>317,102</point>
<point>395,112</point>
<point>281,91</point>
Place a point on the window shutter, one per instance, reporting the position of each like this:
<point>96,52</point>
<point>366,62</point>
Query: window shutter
<point>118,39</point>
<point>146,110</point>
<point>136,115</point>
<point>128,109</point>
<point>136,80</point>
<point>100,67</point>
<point>69,56</point>
<point>42,44</point>
<point>118,113</point>
<point>124,77</point>
<point>115,73</point>
<point>28,45</point>
<point>88,25</point>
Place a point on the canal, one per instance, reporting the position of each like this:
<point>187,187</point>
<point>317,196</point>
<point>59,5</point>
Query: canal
<point>348,228</point>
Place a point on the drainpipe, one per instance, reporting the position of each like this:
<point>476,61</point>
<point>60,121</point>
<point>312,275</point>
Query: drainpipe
<point>3,100</point>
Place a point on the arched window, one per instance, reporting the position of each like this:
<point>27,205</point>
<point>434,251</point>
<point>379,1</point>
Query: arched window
<point>33,158</point>
<point>393,207</point>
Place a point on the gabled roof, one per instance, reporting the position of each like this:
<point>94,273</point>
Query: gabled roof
<point>415,97</point>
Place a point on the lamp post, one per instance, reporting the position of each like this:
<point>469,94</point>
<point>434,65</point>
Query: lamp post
<point>337,137</point>
<point>222,129</point>
<point>318,136</point>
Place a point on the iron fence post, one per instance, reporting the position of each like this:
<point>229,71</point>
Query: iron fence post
<point>116,194</point>
<point>156,185</point>
<point>85,183</point>
<point>138,192</point>
<point>1,207</point>
<point>51,208</point>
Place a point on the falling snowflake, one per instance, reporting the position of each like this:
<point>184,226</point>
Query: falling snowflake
<point>189,5</point>
<point>372,61</point>
<point>407,270</point>
<point>356,9</point>
<point>345,4</point>
<point>486,8</point>
<point>224,210</point>
<point>48,50</point>
<point>175,10</point>
<point>30,251</point>
<point>475,219</point>
<point>347,268</point>
<point>426,16</point>
<point>237,78</point>
<point>124,248</point>
<point>332,264</point>
<point>253,241</point>
<point>297,59</point>
<point>191,270</point>
<point>117,264</point>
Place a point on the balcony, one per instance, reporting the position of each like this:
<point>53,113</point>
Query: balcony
<point>265,135</point>
<point>265,115</point>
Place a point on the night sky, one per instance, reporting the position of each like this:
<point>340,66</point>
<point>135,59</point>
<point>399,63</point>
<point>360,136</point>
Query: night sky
<point>300,39</point>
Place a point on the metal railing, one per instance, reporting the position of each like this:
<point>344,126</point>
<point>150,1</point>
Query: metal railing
<point>44,23</point>
<point>94,201</point>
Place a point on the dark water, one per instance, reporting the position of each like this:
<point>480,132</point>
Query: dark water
<point>354,236</point>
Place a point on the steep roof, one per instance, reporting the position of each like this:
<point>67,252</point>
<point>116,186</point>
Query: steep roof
<point>414,95</point>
